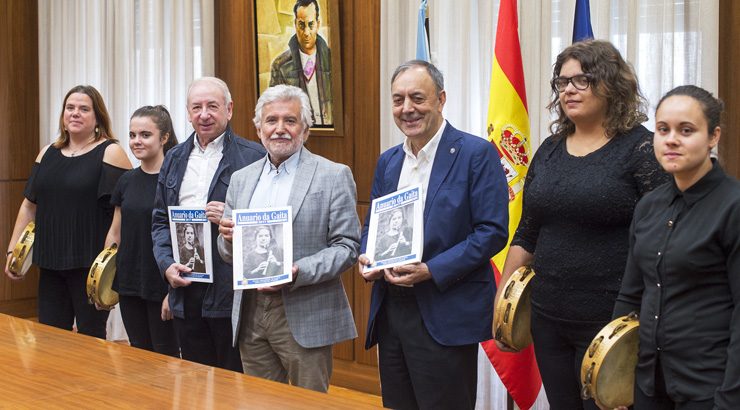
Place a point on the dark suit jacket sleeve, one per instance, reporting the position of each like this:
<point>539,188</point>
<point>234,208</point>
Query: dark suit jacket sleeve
<point>488,202</point>
<point>161,241</point>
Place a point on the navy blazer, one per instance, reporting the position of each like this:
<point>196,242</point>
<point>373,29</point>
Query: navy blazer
<point>237,154</point>
<point>465,223</point>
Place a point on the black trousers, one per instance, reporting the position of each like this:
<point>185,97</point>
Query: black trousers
<point>661,401</point>
<point>416,372</point>
<point>206,340</point>
<point>145,328</point>
<point>63,298</point>
<point>559,346</point>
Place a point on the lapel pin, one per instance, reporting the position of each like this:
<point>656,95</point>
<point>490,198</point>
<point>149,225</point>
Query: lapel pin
<point>452,150</point>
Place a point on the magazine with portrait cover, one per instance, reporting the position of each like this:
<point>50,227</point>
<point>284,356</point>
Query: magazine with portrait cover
<point>263,247</point>
<point>190,231</point>
<point>396,232</point>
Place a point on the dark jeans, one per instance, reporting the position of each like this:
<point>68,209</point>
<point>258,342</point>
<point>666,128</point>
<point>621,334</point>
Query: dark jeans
<point>206,340</point>
<point>416,372</point>
<point>559,346</point>
<point>145,328</point>
<point>63,298</point>
<point>661,401</point>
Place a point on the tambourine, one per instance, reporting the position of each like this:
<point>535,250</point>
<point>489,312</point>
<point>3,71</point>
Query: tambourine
<point>22,256</point>
<point>511,320</point>
<point>100,279</point>
<point>608,368</point>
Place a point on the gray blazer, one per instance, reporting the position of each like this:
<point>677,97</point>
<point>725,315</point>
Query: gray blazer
<point>326,236</point>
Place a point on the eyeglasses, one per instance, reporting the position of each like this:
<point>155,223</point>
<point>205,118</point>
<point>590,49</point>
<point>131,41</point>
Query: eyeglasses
<point>580,81</point>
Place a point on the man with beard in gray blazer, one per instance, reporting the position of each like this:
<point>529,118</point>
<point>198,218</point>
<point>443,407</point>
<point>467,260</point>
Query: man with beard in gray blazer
<point>285,333</point>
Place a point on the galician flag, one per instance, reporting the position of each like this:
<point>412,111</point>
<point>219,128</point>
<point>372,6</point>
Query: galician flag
<point>422,37</point>
<point>508,130</point>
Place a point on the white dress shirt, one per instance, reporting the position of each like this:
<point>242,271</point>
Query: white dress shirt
<point>418,168</point>
<point>202,166</point>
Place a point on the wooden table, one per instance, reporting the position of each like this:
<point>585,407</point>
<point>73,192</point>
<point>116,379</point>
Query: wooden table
<point>45,367</point>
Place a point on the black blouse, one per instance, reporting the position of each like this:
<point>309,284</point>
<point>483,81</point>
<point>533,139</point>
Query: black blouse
<point>73,213</point>
<point>575,220</point>
<point>683,276</point>
<point>137,273</point>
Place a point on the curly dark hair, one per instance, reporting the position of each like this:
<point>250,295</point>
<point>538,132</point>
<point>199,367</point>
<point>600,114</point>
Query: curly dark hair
<point>612,78</point>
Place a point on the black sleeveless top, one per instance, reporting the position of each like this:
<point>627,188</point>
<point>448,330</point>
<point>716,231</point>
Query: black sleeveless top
<point>73,212</point>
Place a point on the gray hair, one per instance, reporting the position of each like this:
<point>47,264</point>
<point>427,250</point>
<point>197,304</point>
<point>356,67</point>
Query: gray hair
<point>434,73</point>
<point>284,92</point>
<point>213,81</point>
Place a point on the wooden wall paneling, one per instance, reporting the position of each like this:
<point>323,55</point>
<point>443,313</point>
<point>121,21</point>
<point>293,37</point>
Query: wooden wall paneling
<point>19,143</point>
<point>19,88</point>
<point>361,310</point>
<point>366,86</point>
<point>729,84</point>
<point>235,60</point>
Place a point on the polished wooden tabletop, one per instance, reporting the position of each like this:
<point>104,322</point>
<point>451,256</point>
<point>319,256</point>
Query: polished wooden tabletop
<point>45,367</point>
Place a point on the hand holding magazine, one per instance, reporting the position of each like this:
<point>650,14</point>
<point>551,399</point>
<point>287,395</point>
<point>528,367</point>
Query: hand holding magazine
<point>396,232</point>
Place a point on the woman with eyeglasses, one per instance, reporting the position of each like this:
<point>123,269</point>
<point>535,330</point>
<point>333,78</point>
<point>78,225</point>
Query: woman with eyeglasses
<point>579,195</point>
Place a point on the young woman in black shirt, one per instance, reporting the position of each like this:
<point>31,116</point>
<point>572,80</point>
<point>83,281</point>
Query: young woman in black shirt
<point>683,270</point>
<point>142,291</point>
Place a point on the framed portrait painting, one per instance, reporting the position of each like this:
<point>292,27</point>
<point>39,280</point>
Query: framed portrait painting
<point>298,43</point>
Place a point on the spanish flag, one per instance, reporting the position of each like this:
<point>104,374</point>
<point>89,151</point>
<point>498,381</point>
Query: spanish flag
<point>508,130</point>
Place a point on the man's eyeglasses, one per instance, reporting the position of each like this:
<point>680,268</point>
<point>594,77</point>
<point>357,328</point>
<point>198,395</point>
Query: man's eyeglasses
<point>580,81</point>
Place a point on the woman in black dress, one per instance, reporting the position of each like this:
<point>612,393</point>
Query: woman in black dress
<point>683,269</point>
<point>579,195</point>
<point>142,291</point>
<point>68,197</point>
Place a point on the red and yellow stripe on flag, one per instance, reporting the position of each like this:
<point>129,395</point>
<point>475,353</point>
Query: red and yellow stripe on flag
<point>508,130</point>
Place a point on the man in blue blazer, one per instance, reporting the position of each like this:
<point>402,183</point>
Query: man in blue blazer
<point>428,318</point>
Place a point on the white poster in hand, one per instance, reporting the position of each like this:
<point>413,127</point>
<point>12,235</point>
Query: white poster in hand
<point>396,231</point>
<point>190,231</point>
<point>263,247</point>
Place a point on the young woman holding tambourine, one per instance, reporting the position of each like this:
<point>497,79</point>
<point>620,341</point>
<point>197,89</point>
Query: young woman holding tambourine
<point>683,269</point>
<point>67,195</point>
<point>141,289</point>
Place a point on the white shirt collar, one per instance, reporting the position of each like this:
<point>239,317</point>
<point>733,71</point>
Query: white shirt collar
<point>290,165</point>
<point>429,149</point>
<point>215,145</point>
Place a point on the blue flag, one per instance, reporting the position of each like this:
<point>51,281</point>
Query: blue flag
<point>422,41</point>
<point>582,22</point>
